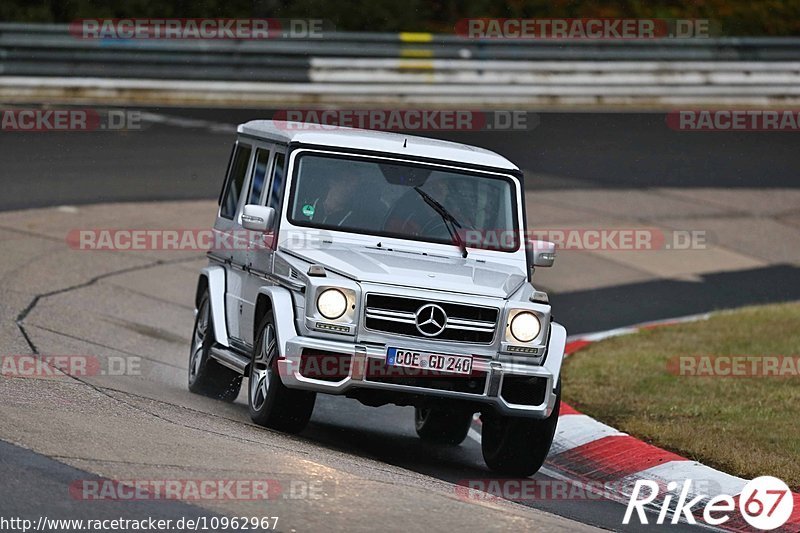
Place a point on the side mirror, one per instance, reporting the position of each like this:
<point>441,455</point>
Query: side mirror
<point>544,253</point>
<point>258,217</point>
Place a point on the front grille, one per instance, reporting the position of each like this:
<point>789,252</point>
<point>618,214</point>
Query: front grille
<point>398,315</point>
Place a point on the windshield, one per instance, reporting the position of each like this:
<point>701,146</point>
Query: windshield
<point>378,197</point>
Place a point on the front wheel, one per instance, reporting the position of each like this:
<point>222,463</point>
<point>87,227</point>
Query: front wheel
<point>270,402</point>
<point>442,426</point>
<point>518,446</point>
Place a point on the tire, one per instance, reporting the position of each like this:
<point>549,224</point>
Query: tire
<point>206,375</point>
<point>442,426</point>
<point>270,402</point>
<point>518,446</point>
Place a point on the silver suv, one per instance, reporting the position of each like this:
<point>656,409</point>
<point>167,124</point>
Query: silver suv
<point>388,268</point>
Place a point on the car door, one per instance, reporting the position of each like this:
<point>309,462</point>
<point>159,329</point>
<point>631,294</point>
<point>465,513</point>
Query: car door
<point>231,239</point>
<point>258,190</point>
<point>262,246</point>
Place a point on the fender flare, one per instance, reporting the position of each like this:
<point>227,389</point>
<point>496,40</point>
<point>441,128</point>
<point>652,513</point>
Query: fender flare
<point>215,281</point>
<point>555,351</point>
<point>281,299</point>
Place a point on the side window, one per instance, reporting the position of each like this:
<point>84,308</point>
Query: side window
<point>238,171</point>
<point>259,176</point>
<point>278,176</point>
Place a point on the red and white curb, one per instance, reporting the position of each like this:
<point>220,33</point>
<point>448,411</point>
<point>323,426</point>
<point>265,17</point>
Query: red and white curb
<point>604,460</point>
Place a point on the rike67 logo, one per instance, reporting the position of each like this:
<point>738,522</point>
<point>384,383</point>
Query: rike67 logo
<point>765,503</point>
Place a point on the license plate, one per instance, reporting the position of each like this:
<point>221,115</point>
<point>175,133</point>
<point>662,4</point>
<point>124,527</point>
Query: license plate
<point>455,364</point>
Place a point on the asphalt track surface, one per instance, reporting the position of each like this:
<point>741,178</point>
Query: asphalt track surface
<point>32,478</point>
<point>568,150</point>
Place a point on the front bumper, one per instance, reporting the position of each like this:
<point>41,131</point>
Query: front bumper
<point>494,373</point>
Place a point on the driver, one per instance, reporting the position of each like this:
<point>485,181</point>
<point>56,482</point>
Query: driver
<point>339,204</point>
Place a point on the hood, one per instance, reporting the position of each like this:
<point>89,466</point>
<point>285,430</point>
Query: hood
<point>412,269</point>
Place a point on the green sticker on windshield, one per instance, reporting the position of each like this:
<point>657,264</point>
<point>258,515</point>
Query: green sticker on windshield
<point>308,210</point>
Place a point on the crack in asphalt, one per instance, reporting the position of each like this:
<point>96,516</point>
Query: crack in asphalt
<point>102,390</point>
<point>107,391</point>
<point>32,304</point>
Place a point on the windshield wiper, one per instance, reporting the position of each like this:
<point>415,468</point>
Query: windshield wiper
<point>451,223</point>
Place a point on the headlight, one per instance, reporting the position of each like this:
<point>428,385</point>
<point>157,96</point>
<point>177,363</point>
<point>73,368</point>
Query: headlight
<point>332,303</point>
<point>525,326</point>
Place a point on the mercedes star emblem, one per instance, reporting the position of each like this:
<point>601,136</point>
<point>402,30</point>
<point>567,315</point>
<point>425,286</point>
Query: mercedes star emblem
<point>431,320</point>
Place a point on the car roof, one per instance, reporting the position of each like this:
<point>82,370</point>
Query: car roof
<point>378,141</point>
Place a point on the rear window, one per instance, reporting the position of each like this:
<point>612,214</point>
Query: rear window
<point>235,181</point>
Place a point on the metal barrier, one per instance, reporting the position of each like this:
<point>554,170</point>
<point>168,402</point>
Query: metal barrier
<point>45,61</point>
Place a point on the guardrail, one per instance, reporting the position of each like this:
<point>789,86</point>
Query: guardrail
<point>45,61</point>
